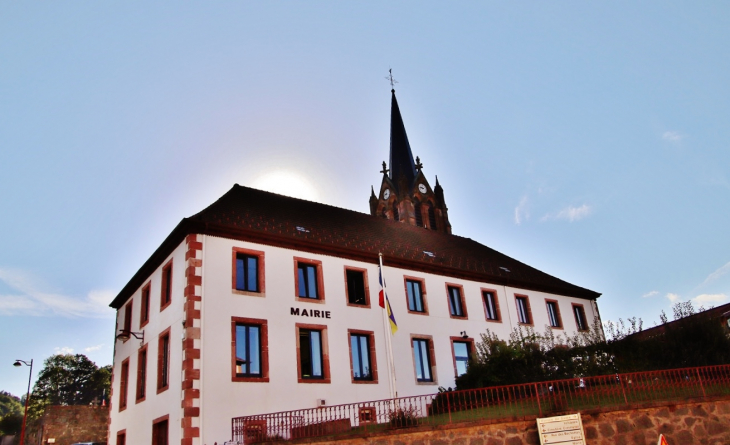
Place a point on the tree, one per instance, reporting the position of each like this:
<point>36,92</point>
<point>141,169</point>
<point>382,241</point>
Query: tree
<point>69,380</point>
<point>9,404</point>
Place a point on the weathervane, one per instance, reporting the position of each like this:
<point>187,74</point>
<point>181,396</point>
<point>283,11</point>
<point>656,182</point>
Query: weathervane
<point>390,78</point>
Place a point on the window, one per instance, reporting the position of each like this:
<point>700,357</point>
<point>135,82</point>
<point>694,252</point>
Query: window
<point>308,280</point>
<point>422,359</point>
<point>431,217</point>
<point>362,357</point>
<point>123,385</point>
<point>163,361</point>
<point>248,270</point>
<point>128,317</point>
<point>524,314</point>
<point>356,286</point>
<point>462,352</point>
<point>554,314</point>
<point>250,350</point>
<point>580,317</point>
<point>122,437</point>
<point>160,431</point>
<point>144,307</point>
<point>417,212</point>
<point>141,374</point>
<point>312,355</point>
<point>456,301</point>
<point>415,295</point>
<point>166,293</point>
<point>491,305</point>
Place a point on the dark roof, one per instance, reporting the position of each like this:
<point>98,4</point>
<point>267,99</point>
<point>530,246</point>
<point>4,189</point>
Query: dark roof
<point>722,311</point>
<point>248,214</point>
<point>401,157</point>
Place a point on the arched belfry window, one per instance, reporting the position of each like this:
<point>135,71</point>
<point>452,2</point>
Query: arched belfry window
<point>431,217</point>
<point>417,211</point>
<point>396,215</point>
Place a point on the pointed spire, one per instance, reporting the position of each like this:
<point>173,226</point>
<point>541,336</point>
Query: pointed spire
<point>401,157</point>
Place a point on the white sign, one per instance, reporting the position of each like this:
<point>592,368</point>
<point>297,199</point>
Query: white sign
<point>563,430</point>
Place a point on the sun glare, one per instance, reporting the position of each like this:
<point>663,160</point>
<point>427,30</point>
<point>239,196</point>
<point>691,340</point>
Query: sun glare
<point>286,183</point>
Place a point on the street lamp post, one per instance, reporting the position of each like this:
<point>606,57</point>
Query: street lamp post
<point>27,395</point>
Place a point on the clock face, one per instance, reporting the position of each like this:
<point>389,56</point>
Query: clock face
<point>422,188</point>
<point>386,194</point>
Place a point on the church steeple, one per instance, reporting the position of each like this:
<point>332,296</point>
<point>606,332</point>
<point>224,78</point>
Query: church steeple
<point>405,194</point>
<point>402,167</point>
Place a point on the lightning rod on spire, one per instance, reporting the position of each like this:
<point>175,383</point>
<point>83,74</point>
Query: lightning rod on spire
<point>390,78</point>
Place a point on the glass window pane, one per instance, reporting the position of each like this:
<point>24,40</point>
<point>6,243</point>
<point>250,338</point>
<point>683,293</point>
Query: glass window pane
<point>354,345</point>
<point>425,360</point>
<point>316,343</point>
<point>417,357</point>
<point>302,283</point>
<point>461,350</point>
<point>241,359</point>
<point>411,302</point>
<point>312,278</point>
<point>365,356</point>
<point>254,350</point>
<point>305,354</point>
<point>252,274</point>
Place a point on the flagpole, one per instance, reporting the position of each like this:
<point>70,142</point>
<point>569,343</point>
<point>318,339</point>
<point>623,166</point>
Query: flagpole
<point>388,333</point>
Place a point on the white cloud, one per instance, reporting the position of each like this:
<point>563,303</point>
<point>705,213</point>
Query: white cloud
<point>672,136</point>
<point>569,213</point>
<point>64,350</point>
<point>30,300</point>
<point>93,348</point>
<point>709,299</point>
<point>717,274</point>
<point>521,211</point>
<point>673,297</point>
<point>650,294</point>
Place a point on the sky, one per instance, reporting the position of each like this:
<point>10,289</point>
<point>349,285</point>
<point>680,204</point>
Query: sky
<point>586,139</point>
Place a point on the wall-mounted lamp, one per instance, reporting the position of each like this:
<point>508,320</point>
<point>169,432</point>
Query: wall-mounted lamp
<point>124,335</point>
<point>463,334</point>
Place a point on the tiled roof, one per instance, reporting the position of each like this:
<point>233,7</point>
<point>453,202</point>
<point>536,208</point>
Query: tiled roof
<point>249,214</point>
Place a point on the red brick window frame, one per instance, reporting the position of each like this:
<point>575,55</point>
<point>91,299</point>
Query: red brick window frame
<point>142,367</point>
<point>124,384</point>
<point>260,275</point>
<point>127,326</point>
<point>494,305</point>
<point>554,304</point>
<point>461,303</point>
<point>524,312</point>
<point>161,430</point>
<point>166,286</point>
<point>144,306</point>
<point>122,437</point>
<point>263,349</point>
<point>470,345</point>
<point>349,272</point>
<point>163,361</point>
<point>305,263</point>
<point>580,312</point>
<point>424,301</point>
<point>326,378</point>
<point>431,357</point>
<point>371,352</point>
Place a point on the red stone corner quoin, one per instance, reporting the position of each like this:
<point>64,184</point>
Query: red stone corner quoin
<point>191,341</point>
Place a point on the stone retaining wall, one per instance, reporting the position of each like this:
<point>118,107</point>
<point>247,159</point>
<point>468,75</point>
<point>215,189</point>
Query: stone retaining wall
<point>695,423</point>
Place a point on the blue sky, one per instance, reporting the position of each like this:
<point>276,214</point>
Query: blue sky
<point>589,140</point>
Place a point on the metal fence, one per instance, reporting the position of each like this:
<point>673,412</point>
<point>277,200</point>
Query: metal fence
<point>501,402</point>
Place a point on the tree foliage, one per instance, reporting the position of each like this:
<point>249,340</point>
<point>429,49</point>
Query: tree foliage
<point>9,404</point>
<point>528,356</point>
<point>11,413</point>
<point>69,380</point>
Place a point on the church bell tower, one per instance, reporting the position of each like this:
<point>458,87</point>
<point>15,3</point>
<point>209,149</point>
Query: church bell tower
<point>405,195</point>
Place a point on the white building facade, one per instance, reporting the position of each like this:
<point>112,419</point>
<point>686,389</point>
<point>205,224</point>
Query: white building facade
<point>263,303</point>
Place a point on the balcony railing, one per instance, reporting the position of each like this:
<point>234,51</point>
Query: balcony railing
<point>502,402</point>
